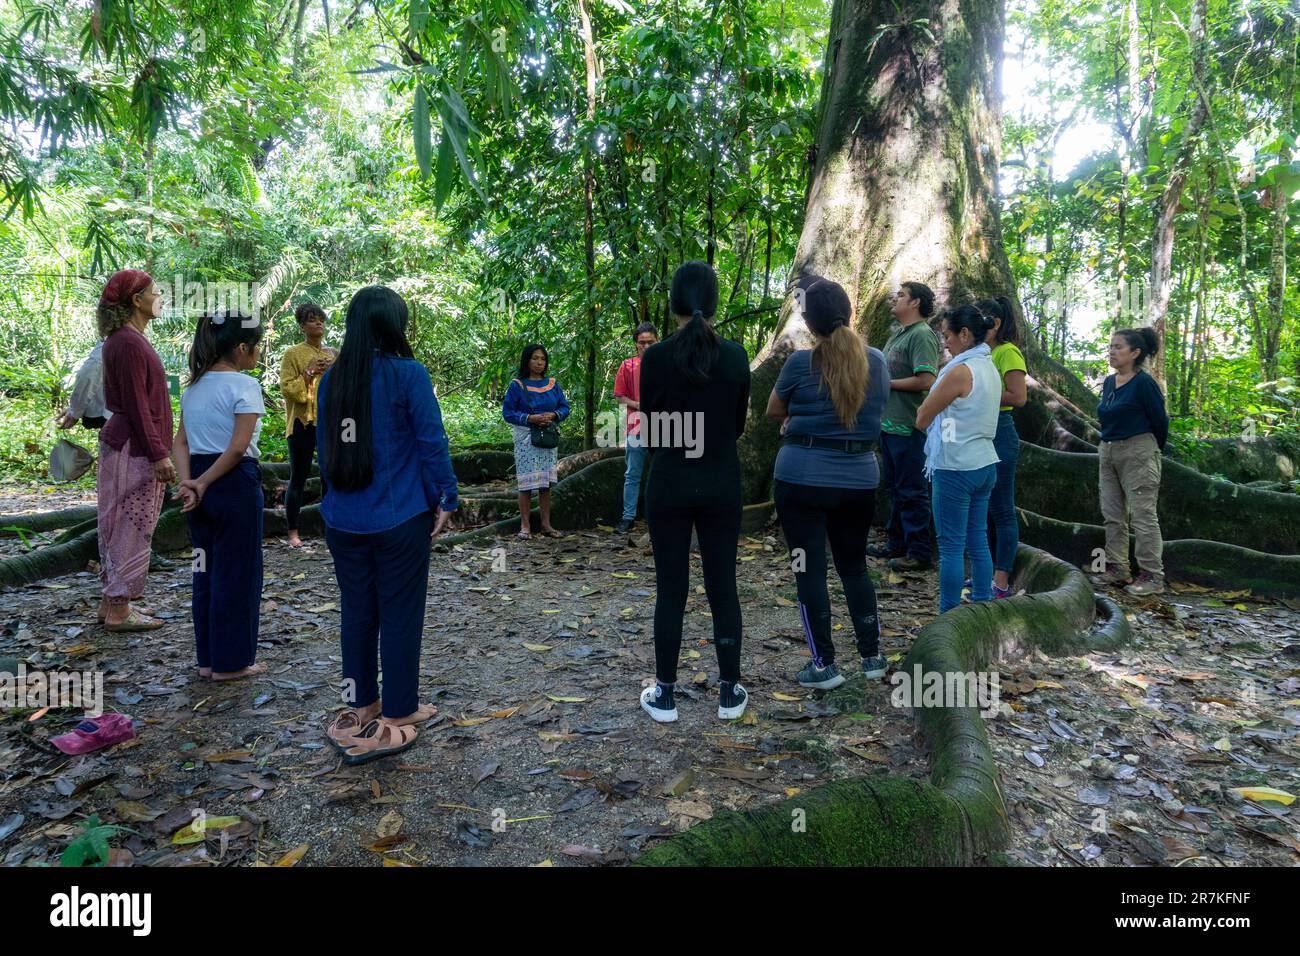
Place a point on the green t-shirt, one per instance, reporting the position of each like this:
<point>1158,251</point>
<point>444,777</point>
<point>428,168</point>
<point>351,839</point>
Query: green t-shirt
<point>1008,358</point>
<point>909,351</point>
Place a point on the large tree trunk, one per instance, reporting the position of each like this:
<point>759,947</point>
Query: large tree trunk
<point>907,155</point>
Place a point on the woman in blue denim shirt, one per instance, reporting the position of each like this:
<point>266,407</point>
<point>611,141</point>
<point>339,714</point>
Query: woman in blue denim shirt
<point>385,471</point>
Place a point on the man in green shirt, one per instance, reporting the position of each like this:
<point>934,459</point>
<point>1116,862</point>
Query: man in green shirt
<point>913,356</point>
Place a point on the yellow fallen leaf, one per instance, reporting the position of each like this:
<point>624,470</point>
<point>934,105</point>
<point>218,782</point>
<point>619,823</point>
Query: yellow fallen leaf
<point>1240,607</point>
<point>471,721</point>
<point>567,700</point>
<point>391,862</point>
<point>1265,793</point>
<point>507,712</point>
<point>537,647</point>
<point>783,602</point>
<point>331,606</point>
<point>550,610</point>
<point>693,654</point>
<point>894,658</point>
<point>791,791</point>
<point>293,856</point>
<point>750,719</point>
<point>700,678</point>
<point>194,831</point>
<point>1047,684</point>
<point>623,575</point>
<point>777,695</point>
<point>545,862</point>
<point>1223,743</point>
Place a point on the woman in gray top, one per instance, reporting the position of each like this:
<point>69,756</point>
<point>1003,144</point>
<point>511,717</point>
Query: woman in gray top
<point>826,475</point>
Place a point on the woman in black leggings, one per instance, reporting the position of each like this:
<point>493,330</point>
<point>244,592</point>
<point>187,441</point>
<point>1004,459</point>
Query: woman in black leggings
<point>826,475</point>
<point>694,399</point>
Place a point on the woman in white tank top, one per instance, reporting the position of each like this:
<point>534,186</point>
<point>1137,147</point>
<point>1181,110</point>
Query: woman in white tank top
<point>960,418</point>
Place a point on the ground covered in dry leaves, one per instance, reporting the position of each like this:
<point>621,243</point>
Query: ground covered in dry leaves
<point>535,653</point>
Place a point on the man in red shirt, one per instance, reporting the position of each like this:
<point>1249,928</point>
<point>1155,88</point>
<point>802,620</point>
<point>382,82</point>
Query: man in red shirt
<point>627,389</point>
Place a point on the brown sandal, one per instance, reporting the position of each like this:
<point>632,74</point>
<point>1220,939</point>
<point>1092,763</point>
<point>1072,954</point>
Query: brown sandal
<point>343,728</point>
<point>379,739</point>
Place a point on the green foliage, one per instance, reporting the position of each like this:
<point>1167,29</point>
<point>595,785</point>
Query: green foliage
<point>90,847</point>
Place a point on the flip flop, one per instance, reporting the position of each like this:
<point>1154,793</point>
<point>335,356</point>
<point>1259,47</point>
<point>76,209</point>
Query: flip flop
<point>134,622</point>
<point>523,536</point>
<point>379,739</point>
<point>147,611</point>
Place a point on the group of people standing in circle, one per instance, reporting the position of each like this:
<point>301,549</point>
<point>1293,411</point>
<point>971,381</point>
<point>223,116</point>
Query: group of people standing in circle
<point>388,487</point>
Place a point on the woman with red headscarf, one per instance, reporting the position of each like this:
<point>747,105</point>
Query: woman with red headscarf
<point>135,445</point>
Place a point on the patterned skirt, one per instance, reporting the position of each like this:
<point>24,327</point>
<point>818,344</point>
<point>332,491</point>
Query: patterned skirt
<point>534,467</point>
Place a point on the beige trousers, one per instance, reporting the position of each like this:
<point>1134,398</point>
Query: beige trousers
<point>1130,483</point>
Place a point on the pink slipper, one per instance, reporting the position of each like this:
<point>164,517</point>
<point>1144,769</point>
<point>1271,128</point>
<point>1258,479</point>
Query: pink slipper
<point>95,733</point>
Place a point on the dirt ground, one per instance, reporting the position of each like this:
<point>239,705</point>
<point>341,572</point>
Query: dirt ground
<point>535,653</point>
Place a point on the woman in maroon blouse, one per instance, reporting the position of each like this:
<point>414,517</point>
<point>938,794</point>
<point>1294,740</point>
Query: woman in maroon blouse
<point>134,447</point>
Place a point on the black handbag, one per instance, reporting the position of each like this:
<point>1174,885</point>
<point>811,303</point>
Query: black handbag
<point>542,436</point>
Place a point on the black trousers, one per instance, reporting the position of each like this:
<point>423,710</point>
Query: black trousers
<point>809,515</point>
<point>302,445</point>
<point>717,525</point>
<point>383,581</point>
<point>226,530</point>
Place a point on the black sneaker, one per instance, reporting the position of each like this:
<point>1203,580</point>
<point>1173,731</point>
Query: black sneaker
<point>908,563</point>
<point>657,701</point>
<point>732,699</point>
<point>874,667</point>
<point>883,551</point>
<point>158,563</point>
<point>623,527</point>
<point>820,678</point>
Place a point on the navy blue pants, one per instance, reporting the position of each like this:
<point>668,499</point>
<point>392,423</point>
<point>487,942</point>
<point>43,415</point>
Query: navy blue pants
<point>1004,526</point>
<point>226,531</point>
<point>903,458</point>
<point>383,581</point>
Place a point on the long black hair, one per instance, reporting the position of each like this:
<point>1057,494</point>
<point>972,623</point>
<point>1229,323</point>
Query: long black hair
<point>376,325</point>
<point>694,292</point>
<point>526,357</point>
<point>217,337</point>
<point>1001,307</point>
<point>1144,339</point>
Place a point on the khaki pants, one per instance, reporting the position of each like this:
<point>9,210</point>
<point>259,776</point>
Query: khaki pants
<point>1130,482</point>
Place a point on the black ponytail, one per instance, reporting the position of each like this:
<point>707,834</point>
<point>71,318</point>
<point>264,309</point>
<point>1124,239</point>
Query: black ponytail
<point>217,337</point>
<point>1008,330</point>
<point>1144,340</point>
<point>694,292</point>
<point>971,318</point>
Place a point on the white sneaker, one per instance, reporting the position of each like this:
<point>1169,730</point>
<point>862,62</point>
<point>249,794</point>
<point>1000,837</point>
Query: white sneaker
<point>732,705</point>
<point>659,705</point>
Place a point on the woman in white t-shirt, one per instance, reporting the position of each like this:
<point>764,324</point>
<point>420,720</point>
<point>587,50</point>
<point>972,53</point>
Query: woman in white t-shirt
<point>221,486</point>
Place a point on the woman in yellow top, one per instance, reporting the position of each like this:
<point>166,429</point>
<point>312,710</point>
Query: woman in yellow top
<point>1010,363</point>
<point>300,371</point>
